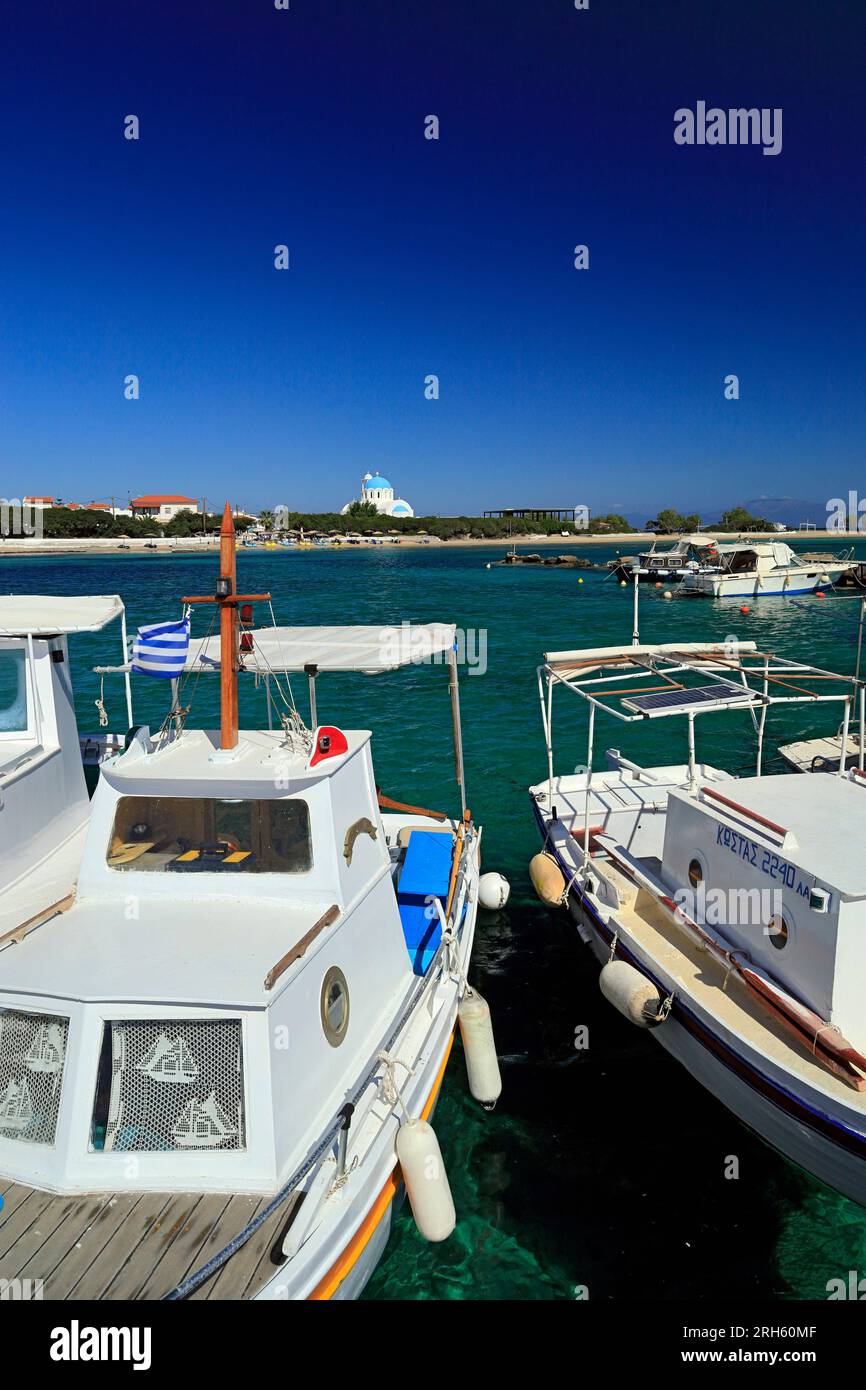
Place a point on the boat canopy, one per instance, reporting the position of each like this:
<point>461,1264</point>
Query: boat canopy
<point>371,650</point>
<point>52,615</point>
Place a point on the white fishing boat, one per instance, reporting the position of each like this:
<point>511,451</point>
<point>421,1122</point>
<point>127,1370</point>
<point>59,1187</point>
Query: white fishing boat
<point>692,554</point>
<point>44,804</point>
<point>728,914</point>
<point>763,569</point>
<point>218,1064</point>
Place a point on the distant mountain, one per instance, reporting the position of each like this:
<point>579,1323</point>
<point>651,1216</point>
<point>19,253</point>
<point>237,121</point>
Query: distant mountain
<point>789,511</point>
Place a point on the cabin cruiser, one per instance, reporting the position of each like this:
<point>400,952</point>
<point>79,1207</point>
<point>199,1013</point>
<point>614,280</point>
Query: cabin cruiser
<point>693,554</point>
<point>44,803</point>
<point>763,569</point>
<point>727,914</point>
<point>219,1061</point>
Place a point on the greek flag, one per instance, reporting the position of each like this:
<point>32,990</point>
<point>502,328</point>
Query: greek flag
<point>160,649</point>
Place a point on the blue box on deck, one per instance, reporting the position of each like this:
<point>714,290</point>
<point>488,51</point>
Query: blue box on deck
<point>425,874</point>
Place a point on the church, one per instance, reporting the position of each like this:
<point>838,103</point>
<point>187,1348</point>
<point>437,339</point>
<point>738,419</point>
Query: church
<point>376,489</point>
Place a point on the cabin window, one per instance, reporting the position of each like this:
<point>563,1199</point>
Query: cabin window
<point>335,1006</point>
<point>13,693</point>
<point>189,835</point>
<point>696,873</point>
<point>778,931</point>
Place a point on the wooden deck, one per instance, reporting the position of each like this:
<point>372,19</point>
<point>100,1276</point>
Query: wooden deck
<point>129,1245</point>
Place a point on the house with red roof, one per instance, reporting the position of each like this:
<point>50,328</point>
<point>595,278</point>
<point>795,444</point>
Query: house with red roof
<point>162,506</point>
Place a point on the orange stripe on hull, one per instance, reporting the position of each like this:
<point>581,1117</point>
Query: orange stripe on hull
<point>346,1262</point>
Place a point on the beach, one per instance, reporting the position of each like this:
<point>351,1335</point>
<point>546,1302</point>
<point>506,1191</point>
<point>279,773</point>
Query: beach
<point>173,545</point>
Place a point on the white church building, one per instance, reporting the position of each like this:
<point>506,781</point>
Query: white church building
<point>376,489</point>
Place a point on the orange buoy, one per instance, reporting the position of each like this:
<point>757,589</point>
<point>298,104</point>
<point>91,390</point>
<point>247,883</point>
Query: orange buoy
<point>819,593</point>
<point>658,583</point>
<point>744,608</point>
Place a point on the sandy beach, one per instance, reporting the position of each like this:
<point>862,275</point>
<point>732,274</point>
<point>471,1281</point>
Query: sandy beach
<point>33,548</point>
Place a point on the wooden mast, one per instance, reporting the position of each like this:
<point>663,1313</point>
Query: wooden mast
<point>228,634</point>
<point>227,599</point>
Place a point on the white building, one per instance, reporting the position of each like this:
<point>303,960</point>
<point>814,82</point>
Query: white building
<point>376,489</point>
<point>162,506</point>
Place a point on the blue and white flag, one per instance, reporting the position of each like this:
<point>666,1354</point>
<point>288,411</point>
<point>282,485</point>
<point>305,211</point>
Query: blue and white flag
<point>160,649</point>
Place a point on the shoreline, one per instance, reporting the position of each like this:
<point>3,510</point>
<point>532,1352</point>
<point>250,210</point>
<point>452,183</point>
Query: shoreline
<point>37,549</point>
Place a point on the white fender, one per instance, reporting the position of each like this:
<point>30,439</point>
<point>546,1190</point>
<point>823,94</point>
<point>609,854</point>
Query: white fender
<point>493,891</point>
<point>482,1064</point>
<point>426,1180</point>
<point>636,997</point>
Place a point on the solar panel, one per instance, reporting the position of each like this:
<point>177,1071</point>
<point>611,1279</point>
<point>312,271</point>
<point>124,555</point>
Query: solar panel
<point>693,698</point>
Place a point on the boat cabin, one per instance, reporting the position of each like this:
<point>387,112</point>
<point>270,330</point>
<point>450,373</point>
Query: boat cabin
<point>771,875</point>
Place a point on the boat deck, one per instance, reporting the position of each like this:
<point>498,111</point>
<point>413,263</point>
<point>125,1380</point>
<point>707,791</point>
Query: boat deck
<point>135,1245</point>
<point>721,994</point>
<point>800,755</point>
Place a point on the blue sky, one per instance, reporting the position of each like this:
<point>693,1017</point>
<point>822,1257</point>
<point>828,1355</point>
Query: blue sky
<point>410,257</point>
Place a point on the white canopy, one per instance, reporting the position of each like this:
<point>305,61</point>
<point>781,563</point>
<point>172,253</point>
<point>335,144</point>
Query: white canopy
<point>367,649</point>
<point>47,615</point>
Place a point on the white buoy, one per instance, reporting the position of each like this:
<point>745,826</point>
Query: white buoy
<point>488,565</point>
<point>426,1181</point>
<point>482,1064</point>
<point>636,997</point>
<point>548,880</point>
<point>493,891</point>
<point>668,593</point>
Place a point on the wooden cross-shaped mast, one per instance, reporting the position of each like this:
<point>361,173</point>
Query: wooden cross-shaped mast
<point>227,600</point>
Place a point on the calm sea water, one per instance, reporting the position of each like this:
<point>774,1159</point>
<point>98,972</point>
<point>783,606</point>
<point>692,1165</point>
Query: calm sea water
<point>602,1167</point>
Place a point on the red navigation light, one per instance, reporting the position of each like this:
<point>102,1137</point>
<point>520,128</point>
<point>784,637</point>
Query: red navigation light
<point>328,743</point>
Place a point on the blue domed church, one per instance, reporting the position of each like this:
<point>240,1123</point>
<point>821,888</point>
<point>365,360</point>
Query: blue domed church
<point>376,489</point>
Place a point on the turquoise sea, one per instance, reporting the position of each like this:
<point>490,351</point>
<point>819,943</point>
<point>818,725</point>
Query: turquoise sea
<point>602,1168</point>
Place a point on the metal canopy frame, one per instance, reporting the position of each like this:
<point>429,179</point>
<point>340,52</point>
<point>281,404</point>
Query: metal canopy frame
<point>751,677</point>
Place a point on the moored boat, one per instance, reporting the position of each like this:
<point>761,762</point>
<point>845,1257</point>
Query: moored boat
<point>764,569</point>
<point>44,803</point>
<point>211,1062</point>
<point>725,912</point>
<point>688,555</point>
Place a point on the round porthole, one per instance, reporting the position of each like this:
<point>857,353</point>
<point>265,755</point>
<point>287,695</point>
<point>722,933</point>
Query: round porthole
<point>335,1006</point>
<point>696,872</point>
<point>778,931</point>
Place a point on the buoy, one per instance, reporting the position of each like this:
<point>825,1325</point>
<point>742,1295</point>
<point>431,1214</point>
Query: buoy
<point>636,997</point>
<point>482,1064</point>
<point>819,593</point>
<point>488,565</point>
<point>622,584</point>
<point>426,1181</point>
<point>548,880</point>
<point>580,581</point>
<point>658,583</point>
<point>744,608</point>
<point>668,593</point>
<point>493,891</point>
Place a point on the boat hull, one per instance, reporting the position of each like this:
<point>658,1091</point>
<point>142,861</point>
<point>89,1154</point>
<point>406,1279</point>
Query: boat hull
<point>827,1148</point>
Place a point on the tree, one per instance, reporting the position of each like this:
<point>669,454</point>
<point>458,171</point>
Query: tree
<point>738,519</point>
<point>266,517</point>
<point>358,508</point>
<point>667,521</point>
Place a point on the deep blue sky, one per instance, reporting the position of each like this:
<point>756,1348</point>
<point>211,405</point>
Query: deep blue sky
<point>411,256</point>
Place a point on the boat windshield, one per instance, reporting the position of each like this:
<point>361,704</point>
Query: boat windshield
<point>13,693</point>
<point>185,834</point>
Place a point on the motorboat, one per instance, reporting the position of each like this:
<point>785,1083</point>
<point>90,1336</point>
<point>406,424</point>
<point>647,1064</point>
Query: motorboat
<point>691,554</point>
<point>44,801</point>
<point>219,1061</point>
<point>764,569</point>
<point>726,913</point>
